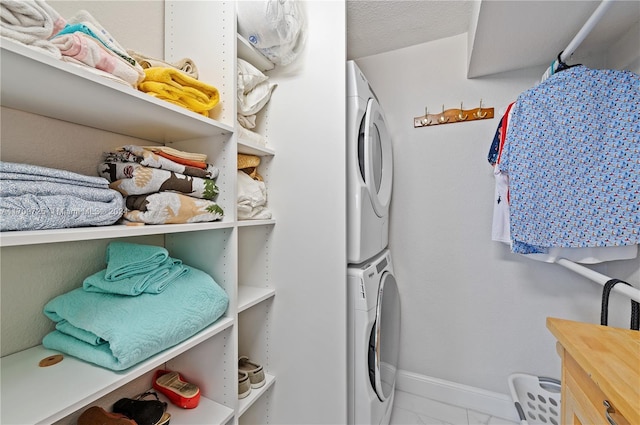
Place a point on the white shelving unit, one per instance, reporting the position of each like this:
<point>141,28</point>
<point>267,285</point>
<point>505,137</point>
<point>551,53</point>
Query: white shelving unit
<point>40,85</point>
<point>255,394</point>
<point>58,115</point>
<point>97,102</point>
<point>83,382</point>
<point>248,296</point>
<point>251,55</point>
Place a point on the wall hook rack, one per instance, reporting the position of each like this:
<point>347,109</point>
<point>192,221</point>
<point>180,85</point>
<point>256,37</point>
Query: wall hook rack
<point>452,116</point>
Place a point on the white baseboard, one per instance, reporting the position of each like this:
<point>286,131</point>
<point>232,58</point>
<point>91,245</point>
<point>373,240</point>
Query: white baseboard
<point>488,402</point>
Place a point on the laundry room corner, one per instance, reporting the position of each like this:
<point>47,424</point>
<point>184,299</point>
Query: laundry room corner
<point>472,312</point>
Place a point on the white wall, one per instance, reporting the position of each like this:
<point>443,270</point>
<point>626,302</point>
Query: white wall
<point>472,312</point>
<point>625,53</point>
<point>307,193</point>
<point>140,28</point>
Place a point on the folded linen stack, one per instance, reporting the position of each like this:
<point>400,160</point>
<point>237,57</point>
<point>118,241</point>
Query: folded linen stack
<point>254,92</point>
<point>40,198</point>
<point>85,42</point>
<point>175,86</point>
<point>163,187</point>
<point>31,23</point>
<point>133,269</point>
<point>121,324</point>
<point>185,65</point>
<point>252,191</point>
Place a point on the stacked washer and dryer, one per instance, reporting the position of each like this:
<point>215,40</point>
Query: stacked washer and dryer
<point>373,301</point>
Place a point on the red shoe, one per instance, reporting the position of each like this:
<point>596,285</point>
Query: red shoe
<point>179,392</point>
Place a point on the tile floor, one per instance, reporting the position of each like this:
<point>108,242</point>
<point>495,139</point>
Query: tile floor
<point>410,409</point>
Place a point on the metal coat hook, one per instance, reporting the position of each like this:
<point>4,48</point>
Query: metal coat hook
<point>442,119</point>
<point>460,116</point>
<point>452,116</point>
<point>426,121</point>
<point>478,114</point>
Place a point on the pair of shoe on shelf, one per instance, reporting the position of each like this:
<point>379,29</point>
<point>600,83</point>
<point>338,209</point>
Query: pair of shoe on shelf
<point>145,411</point>
<point>127,411</point>
<point>250,375</point>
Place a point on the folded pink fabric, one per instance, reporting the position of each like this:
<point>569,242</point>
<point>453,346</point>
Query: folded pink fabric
<point>86,50</point>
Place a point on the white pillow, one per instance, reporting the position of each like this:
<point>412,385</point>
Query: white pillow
<point>248,76</point>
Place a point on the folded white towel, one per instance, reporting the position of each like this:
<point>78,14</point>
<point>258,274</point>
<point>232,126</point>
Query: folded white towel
<point>252,198</point>
<point>31,23</point>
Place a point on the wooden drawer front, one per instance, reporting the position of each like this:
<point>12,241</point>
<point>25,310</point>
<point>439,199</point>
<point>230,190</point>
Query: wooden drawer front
<point>584,398</point>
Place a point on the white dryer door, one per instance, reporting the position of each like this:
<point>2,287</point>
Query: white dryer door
<point>375,156</point>
<point>384,342</point>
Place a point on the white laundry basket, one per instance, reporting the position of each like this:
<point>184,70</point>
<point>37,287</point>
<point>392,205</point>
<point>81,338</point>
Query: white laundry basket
<point>537,399</point>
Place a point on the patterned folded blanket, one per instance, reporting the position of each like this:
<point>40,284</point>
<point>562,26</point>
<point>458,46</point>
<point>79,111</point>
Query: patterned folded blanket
<point>177,153</point>
<point>142,156</point>
<point>170,208</point>
<point>83,21</point>
<point>84,49</point>
<point>135,179</point>
<point>117,332</point>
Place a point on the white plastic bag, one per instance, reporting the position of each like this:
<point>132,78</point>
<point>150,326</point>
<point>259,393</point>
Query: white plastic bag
<point>276,28</point>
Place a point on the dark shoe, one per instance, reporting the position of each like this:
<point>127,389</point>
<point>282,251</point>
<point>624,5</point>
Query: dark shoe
<point>144,412</point>
<point>96,415</point>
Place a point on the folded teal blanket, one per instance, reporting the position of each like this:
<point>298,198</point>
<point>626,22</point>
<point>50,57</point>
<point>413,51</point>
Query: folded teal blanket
<point>128,259</point>
<point>152,282</point>
<point>134,328</point>
<point>67,328</point>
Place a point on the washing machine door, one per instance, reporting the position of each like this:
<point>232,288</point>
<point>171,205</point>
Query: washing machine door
<point>384,342</point>
<point>375,157</point>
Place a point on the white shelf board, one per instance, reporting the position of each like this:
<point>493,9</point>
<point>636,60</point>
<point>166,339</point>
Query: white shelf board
<point>249,53</point>
<point>248,296</point>
<point>38,395</point>
<point>250,148</point>
<point>207,412</point>
<point>248,223</point>
<point>33,237</point>
<point>34,82</point>
<point>255,394</point>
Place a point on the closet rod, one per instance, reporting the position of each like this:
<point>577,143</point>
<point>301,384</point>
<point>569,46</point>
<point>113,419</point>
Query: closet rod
<point>579,37</point>
<point>586,29</point>
<point>629,291</point>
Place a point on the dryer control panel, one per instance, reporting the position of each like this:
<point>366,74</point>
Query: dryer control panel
<point>364,281</point>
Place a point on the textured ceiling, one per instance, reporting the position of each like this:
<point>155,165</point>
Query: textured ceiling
<point>509,34</point>
<point>377,26</point>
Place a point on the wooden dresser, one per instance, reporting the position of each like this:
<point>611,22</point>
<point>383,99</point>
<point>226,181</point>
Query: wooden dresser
<point>600,368</point>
